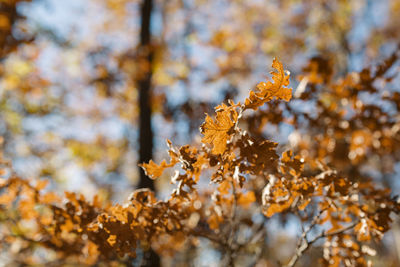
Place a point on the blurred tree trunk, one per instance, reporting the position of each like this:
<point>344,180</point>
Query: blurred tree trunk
<point>150,258</point>
<point>144,86</point>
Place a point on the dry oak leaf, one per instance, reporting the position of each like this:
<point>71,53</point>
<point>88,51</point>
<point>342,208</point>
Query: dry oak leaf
<point>266,91</point>
<point>217,132</point>
<point>277,208</point>
<point>153,170</point>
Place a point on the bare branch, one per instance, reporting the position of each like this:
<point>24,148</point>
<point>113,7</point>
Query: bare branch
<point>305,244</point>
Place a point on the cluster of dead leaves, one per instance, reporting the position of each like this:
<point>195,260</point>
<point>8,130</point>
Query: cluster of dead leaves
<point>244,175</point>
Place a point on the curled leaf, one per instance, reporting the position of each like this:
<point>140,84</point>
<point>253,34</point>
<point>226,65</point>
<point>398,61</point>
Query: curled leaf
<point>266,91</point>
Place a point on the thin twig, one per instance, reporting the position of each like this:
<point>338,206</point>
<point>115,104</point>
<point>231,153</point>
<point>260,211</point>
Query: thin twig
<point>305,245</point>
<point>212,237</point>
<point>233,225</point>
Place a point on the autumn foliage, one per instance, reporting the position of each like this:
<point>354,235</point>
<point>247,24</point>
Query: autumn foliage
<point>299,169</point>
<point>229,183</point>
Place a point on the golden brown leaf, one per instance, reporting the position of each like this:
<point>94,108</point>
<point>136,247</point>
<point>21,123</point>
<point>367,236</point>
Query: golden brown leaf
<point>217,132</point>
<point>266,91</point>
<point>153,170</point>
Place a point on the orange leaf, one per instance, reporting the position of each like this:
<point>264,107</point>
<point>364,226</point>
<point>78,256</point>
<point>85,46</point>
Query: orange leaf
<point>153,170</point>
<point>217,132</point>
<point>303,204</point>
<point>266,91</point>
<point>50,197</point>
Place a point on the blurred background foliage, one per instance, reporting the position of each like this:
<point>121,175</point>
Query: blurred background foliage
<point>72,73</point>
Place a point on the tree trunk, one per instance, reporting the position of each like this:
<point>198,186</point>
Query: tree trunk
<point>150,258</point>
<point>144,86</point>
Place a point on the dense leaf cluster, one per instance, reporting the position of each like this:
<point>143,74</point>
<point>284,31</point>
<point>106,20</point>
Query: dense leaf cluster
<point>233,177</point>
